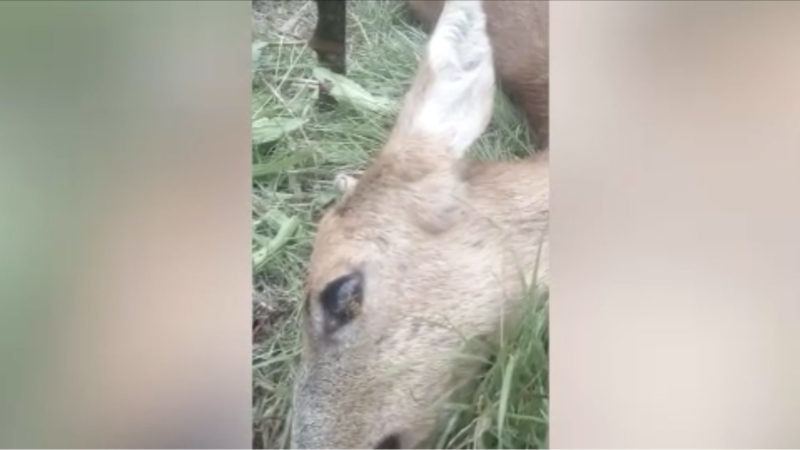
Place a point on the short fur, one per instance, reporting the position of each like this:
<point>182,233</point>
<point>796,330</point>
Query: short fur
<point>519,34</point>
<point>444,245</point>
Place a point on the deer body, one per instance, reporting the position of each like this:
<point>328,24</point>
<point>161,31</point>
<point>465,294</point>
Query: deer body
<point>426,248</point>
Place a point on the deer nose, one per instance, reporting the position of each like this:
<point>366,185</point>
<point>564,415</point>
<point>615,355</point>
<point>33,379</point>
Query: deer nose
<point>390,441</point>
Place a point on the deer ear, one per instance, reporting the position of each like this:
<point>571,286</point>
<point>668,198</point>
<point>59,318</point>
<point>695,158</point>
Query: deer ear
<point>452,95</point>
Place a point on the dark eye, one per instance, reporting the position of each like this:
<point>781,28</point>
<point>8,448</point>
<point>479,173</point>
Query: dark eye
<point>341,300</point>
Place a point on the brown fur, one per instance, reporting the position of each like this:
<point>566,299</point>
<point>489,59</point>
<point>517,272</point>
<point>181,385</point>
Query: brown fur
<point>520,39</point>
<point>445,245</point>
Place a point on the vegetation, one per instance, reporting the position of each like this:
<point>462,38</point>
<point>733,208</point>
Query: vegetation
<point>297,151</point>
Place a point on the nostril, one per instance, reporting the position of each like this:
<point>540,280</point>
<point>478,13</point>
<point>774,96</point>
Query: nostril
<point>390,441</point>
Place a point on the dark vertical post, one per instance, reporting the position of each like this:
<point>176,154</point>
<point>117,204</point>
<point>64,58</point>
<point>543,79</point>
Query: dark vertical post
<point>328,42</point>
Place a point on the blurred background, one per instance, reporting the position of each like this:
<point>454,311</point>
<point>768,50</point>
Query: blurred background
<point>675,224</point>
<point>124,269</point>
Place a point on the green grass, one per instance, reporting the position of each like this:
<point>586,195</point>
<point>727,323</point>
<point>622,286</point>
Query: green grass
<point>506,406</point>
<point>297,151</point>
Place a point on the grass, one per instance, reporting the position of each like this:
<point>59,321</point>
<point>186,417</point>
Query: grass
<point>297,151</point>
<point>507,404</point>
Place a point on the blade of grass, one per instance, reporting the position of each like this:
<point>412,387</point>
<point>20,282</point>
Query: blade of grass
<point>285,232</point>
<point>343,88</point>
<point>503,407</point>
<point>281,165</point>
<point>270,129</point>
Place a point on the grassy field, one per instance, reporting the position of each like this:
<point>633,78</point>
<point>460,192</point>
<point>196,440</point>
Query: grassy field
<point>297,151</point>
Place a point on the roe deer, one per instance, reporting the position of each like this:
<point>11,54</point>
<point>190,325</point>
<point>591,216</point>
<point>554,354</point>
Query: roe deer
<point>425,248</point>
<point>518,32</point>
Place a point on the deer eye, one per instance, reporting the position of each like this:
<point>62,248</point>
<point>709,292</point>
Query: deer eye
<point>342,299</point>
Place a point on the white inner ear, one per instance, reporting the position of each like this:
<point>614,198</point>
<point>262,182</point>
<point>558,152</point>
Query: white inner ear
<point>456,103</point>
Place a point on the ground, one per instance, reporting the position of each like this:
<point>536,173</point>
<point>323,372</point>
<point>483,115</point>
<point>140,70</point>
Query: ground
<point>297,151</point>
